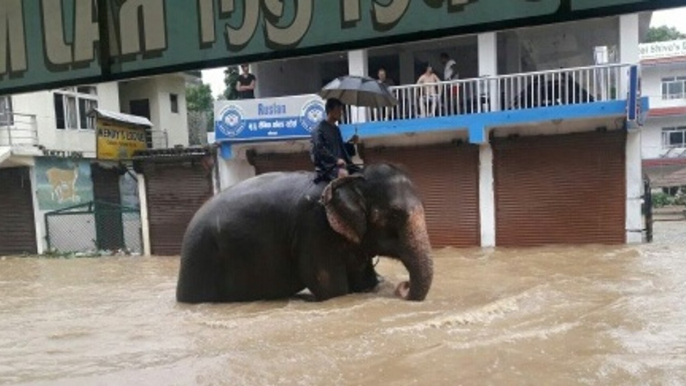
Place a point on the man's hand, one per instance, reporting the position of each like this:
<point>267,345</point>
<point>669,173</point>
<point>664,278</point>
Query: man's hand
<point>341,163</point>
<point>354,139</point>
<point>342,172</point>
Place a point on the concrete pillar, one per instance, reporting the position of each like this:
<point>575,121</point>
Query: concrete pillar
<point>628,47</point>
<point>262,85</point>
<point>234,171</point>
<point>486,196</point>
<point>634,184</point>
<point>38,218</point>
<point>406,59</point>
<point>358,64</point>
<point>488,66</point>
<point>145,223</point>
<point>629,54</point>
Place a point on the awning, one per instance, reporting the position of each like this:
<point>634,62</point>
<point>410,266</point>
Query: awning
<point>126,119</point>
<point>666,175</point>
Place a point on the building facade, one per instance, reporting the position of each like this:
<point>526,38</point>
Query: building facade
<point>664,134</point>
<point>48,162</point>
<point>537,141</point>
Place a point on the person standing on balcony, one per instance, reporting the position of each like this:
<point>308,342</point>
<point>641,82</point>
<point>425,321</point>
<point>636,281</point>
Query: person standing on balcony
<point>246,83</point>
<point>332,158</point>
<point>428,94</point>
<point>449,70</point>
<point>450,73</point>
<point>384,79</point>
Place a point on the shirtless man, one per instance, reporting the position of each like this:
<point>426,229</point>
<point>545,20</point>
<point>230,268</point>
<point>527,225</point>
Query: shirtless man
<point>429,93</point>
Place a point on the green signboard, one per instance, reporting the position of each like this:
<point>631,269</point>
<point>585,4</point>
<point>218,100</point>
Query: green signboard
<point>51,43</point>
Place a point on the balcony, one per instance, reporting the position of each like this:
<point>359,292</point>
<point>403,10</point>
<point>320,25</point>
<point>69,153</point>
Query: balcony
<point>563,99</point>
<point>18,130</point>
<point>501,93</point>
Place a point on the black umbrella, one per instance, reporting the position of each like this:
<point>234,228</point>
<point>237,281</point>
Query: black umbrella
<point>360,91</point>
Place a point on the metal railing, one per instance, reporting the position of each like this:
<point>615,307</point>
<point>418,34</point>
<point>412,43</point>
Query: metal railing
<point>503,92</point>
<point>18,129</point>
<point>94,226</point>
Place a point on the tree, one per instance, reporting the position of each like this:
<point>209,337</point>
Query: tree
<point>199,98</point>
<point>200,108</point>
<point>663,34</point>
<point>230,80</point>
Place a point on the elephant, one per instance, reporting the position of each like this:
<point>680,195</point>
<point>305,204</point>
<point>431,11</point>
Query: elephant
<point>272,236</point>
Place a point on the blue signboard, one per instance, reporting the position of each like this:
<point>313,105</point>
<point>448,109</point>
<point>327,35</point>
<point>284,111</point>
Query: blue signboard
<point>267,119</point>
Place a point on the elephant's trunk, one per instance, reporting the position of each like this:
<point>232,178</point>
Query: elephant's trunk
<point>417,259</point>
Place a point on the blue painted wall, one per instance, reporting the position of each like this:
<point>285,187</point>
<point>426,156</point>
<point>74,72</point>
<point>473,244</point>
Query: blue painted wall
<point>478,125</point>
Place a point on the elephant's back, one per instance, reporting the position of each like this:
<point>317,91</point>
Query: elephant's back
<point>272,188</point>
<point>269,198</point>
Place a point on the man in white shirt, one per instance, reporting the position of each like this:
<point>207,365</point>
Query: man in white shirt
<point>449,70</point>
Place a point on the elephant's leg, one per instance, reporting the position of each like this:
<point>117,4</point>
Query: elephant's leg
<point>324,275</point>
<point>363,278</point>
<point>201,273</point>
<point>235,270</point>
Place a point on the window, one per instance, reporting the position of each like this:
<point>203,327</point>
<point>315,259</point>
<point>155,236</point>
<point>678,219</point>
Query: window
<point>674,87</point>
<point>72,106</point>
<point>174,99</point>
<point>674,137</point>
<point>6,117</point>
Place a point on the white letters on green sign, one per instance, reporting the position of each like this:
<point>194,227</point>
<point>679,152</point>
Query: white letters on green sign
<point>86,31</point>
<point>350,12</point>
<point>240,37</point>
<point>386,16</point>
<point>291,35</point>
<point>12,39</point>
<point>154,31</point>
<point>206,16</point>
<point>58,51</point>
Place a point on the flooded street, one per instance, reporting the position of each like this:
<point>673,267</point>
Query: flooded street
<point>556,315</point>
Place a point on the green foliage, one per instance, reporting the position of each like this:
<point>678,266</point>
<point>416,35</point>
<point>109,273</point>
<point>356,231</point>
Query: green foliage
<point>199,98</point>
<point>230,79</point>
<point>663,34</point>
<point>662,199</point>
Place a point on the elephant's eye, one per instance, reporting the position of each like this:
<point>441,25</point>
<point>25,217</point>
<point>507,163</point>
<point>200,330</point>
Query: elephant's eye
<point>397,216</point>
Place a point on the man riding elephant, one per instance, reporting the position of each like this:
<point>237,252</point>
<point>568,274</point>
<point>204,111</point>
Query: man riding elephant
<point>332,158</point>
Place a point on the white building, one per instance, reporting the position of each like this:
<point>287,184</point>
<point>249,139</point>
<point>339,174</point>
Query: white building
<point>664,135</point>
<point>537,143</point>
<point>48,157</point>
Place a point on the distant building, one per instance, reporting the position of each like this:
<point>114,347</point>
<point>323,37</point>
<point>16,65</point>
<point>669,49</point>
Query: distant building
<point>48,153</point>
<point>664,135</point>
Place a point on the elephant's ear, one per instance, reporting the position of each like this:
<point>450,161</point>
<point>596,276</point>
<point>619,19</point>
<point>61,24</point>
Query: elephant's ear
<point>345,207</point>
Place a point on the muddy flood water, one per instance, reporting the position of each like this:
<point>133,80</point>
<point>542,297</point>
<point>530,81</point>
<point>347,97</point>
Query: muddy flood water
<point>544,316</point>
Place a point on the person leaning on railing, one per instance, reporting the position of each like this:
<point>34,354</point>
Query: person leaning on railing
<point>384,112</point>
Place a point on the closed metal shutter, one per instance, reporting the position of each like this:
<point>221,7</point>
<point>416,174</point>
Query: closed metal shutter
<point>561,189</point>
<point>447,178</point>
<point>17,227</point>
<point>175,191</point>
<point>278,162</point>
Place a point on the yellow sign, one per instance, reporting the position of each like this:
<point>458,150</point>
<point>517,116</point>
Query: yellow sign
<point>118,142</point>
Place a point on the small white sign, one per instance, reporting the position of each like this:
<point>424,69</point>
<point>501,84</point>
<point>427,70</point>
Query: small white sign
<point>662,50</point>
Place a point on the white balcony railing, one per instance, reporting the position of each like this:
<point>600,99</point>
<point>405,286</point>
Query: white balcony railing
<point>504,92</point>
<point>18,130</point>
